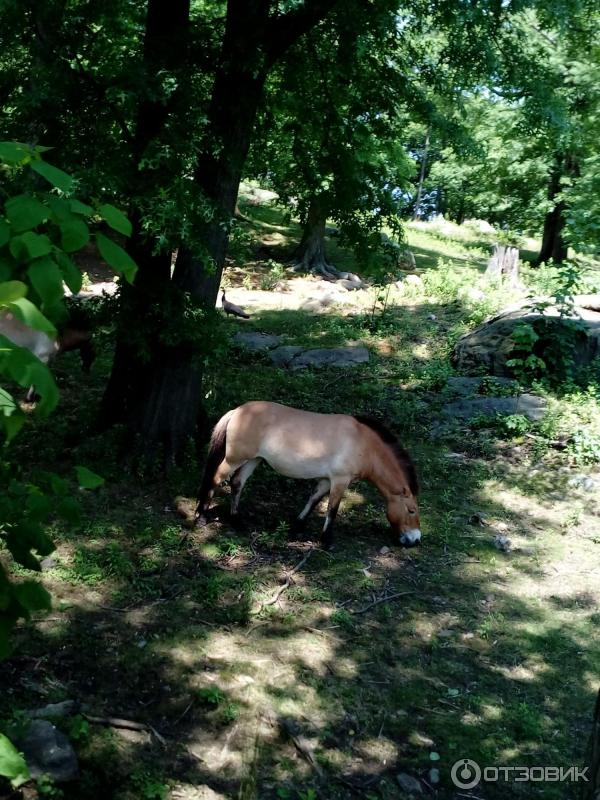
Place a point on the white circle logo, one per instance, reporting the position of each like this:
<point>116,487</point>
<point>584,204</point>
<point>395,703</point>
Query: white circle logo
<point>465,773</point>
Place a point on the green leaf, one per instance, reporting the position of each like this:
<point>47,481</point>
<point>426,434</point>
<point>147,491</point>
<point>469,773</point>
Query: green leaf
<point>25,212</point>
<point>14,152</point>
<point>77,207</point>
<point>116,257</point>
<point>53,175</point>
<point>7,403</point>
<point>71,275</point>
<point>88,479</point>
<point>25,310</point>
<point>30,245</point>
<point>12,763</point>
<point>74,234</point>
<point>13,424</point>
<point>46,279</point>
<point>4,232</point>
<point>61,208</point>
<point>116,219</point>
<point>11,291</point>
<point>7,267</point>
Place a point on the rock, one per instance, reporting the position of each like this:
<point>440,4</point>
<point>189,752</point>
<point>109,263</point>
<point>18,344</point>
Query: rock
<point>413,280</point>
<point>502,543</point>
<point>434,776</point>
<point>584,482</point>
<point>529,405</point>
<point>54,710</point>
<point>490,345</point>
<point>350,285</point>
<point>46,564</point>
<point>478,519</point>
<point>462,385</point>
<point>432,317</point>
<point>470,294</point>
<point>283,354</point>
<point>47,751</point>
<point>409,784</point>
<point>384,551</point>
<point>331,357</point>
<point>258,342</point>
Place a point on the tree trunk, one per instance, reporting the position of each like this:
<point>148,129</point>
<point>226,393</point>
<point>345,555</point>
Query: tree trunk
<point>554,247</point>
<point>504,265</point>
<point>591,790</point>
<point>310,255</point>
<point>417,210</point>
<point>164,398</point>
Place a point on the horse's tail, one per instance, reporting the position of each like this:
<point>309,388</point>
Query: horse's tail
<point>216,454</point>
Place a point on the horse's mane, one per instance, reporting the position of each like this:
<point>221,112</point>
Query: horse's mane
<point>402,456</point>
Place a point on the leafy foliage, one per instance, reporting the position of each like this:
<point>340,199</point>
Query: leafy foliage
<point>38,229</point>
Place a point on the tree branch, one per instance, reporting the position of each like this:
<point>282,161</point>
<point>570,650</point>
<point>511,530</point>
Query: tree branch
<point>284,30</point>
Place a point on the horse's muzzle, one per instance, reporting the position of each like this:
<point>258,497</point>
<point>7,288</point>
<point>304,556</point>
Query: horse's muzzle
<point>410,538</point>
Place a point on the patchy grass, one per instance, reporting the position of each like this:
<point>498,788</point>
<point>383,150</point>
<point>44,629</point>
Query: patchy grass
<point>485,655</point>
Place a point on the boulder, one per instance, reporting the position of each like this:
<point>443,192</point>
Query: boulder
<point>331,357</point>
<point>491,345</point>
<point>259,342</point>
<point>47,751</point>
<point>529,405</point>
<point>284,354</point>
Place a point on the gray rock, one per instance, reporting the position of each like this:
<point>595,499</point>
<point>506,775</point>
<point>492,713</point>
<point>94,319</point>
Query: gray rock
<point>490,345</point>
<point>47,751</point>
<point>502,543</point>
<point>46,564</point>
<point>470,386</point>
<point>409,784</point>
<point>283,354</point>
<point>413,280</point>
<point>259,342</point>
<point>54,710</point>
<point>529,405</point>
<point>331,357</point>
<point>350,285</point>
<point>434,776</point>
<point>584,482</point>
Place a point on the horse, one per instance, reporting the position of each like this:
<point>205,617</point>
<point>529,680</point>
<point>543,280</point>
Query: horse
<point>334,449</point>
<point>46,347</point>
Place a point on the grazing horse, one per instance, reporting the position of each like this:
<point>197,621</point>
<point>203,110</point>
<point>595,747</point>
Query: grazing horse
<point>334,449</point>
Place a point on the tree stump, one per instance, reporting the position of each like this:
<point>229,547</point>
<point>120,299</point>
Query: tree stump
<point>504,265</point>
<point>591,790</point>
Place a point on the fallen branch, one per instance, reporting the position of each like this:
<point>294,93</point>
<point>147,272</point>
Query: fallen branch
<point>126,724</point>
<point>286,585</point>
<point>381,600</point>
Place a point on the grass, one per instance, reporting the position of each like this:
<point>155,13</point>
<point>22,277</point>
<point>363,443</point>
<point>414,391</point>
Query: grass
<point>485,655</point>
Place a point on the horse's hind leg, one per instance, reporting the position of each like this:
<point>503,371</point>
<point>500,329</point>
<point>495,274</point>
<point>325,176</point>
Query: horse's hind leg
<point>335,497</point>
<point>238,480</point>
<point>319,493</point>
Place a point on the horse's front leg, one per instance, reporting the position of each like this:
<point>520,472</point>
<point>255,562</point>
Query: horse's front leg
<point>319,493</point>
<point>335,496</point>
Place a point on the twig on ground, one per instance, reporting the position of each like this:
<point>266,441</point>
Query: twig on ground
<point>303,747</point>
<point>287,583</point>
<point>182,715</point>
<point>127,724</point>
<point>387,599</point>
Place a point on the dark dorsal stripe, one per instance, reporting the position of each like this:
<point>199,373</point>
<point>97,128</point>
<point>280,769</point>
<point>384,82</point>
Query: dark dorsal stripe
<point>402,456</point>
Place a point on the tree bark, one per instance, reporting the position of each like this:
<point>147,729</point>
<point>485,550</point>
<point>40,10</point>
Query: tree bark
<point>417,210</point>
<point>554,248</point>
<point>504,264</point>
<point>310,255</point>
<point>591,790</point>
<point>163,393</point>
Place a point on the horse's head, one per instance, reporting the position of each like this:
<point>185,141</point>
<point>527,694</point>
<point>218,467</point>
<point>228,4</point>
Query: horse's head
<point>403,514</point>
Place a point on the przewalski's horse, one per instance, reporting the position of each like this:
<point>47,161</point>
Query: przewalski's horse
<point>334,449</point>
